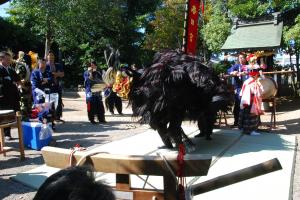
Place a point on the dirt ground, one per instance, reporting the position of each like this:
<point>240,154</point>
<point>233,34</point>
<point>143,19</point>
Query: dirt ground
<point>77,129</point>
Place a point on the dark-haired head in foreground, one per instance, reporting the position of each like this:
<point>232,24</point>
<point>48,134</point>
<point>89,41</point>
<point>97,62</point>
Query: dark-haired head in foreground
<point>74,183</point>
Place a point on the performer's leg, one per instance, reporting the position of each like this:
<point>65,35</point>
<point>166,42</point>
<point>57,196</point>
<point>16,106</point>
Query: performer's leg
<point>59,105</point>
<point>110,103</point>
<point>101,112</point>
<point>163,133</point>
<point>118,104</point>
<point>203,126</point>
<point>174,129</point>
<point>210,116</point>
<point>236,110</point>
<point>90,113</point>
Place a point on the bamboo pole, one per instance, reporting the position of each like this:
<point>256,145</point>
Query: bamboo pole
<point>236,176</point>
<point>265,73</point>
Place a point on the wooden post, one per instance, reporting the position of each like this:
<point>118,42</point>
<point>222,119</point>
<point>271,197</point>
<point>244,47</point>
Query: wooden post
<point>237,176</point>
<point>2,141</point>
<point>122,182</point>
<point>20,135</point>
<point>170,188</point>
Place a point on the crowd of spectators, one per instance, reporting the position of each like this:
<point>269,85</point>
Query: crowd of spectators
<point>25,84</point>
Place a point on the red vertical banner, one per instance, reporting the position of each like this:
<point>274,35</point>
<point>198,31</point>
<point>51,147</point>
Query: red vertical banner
<point>192,26</point>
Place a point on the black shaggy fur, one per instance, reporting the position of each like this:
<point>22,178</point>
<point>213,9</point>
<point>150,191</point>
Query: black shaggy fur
<point>177,86</point>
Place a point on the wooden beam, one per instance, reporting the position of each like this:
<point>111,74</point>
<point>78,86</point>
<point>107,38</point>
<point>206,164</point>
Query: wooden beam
<point>195,164</point>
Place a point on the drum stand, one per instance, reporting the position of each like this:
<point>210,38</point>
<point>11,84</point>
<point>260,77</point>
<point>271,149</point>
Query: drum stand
<point>17,123</point>
<point>272,100</point>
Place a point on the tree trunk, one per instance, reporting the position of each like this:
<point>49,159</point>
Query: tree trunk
<point>297,85</point>
<point>47,45</point>
<point>297,65</point>
<point>48,41</point>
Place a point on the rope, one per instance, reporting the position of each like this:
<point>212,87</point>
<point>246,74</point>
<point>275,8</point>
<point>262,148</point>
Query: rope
<point>182,180</point>
<point>73,150</point>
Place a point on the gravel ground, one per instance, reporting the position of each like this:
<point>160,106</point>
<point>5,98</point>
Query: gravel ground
<point>77,129</point>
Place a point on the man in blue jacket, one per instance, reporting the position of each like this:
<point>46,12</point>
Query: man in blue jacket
<point>58,73</point>
<point>41,80</point>
<point>238,71</point>
<point>93,97</point>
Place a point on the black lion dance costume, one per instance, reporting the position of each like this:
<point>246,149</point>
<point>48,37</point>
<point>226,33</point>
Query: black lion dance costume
<point>177,87</point>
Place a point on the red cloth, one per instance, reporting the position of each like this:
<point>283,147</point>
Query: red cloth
<point>251,94</point>
<point>34,113</point>
<point>89,106</point>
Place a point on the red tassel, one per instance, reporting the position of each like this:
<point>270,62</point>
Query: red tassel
<point>202,6</point>
<point>181,182</point>
<point>88,106</point>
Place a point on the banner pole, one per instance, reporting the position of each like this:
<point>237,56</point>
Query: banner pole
<point>185,32</point>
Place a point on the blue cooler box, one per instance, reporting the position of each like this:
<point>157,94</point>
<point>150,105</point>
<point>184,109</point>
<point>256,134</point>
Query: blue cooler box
<point>31,135</point>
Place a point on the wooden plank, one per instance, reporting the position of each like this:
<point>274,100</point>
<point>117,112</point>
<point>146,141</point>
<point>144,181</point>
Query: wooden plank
<point>138,194</point>
<point>195,164</point>
<point>6,149</point>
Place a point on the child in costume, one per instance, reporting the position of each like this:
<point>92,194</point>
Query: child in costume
<point>251,100</point>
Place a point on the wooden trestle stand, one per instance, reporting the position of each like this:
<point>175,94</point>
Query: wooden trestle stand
<point>124,165</point>
<point>8,118</point>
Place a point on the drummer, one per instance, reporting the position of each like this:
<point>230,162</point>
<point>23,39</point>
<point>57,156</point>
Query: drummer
<point>93,98</point>
<point>238,71</point>
<point>10,99</point>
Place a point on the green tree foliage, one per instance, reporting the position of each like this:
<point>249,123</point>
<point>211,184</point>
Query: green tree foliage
<point>17,37</point>
<point>248,9</point>
<point>216,32</point>
<point>217,27</point>
<point>214,27</point>
<point>293,33</point>
<point>167,27</point>
<point>83,29</point>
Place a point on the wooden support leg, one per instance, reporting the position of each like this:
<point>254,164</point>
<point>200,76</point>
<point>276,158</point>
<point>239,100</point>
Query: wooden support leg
<point>220,118</point>
<point>122,182</point>
<point>170,188</point>
<point>274,113</point>
<point>20,135</point>
<point>224,115</point>
<point>2,141</point>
